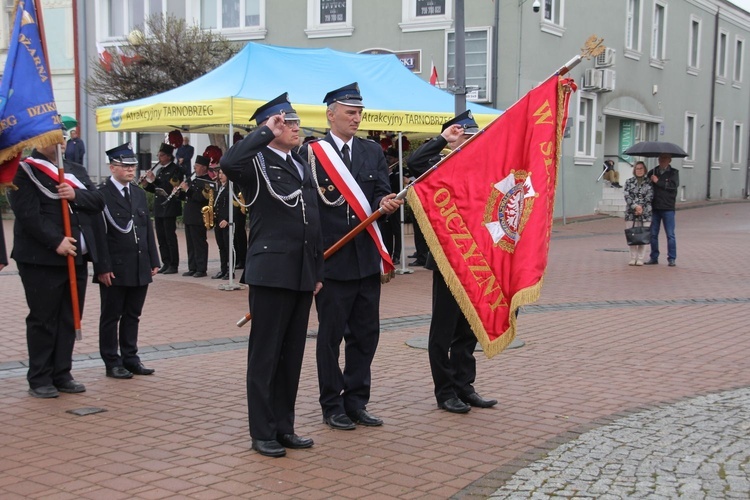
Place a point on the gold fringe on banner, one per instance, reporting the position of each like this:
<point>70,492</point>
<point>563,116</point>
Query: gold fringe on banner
<point>42,140</point>
<point>524,296</point>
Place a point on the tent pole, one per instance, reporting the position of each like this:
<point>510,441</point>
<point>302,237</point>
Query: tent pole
<point>401,212</point>
<point>230,195</point>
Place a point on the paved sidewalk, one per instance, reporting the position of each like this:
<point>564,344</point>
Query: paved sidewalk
<point>633,359</point>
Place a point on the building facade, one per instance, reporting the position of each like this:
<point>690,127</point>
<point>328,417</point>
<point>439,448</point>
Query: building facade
<point>674,70</point>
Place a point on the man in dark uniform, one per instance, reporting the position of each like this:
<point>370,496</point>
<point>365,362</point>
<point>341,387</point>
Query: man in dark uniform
<point>196,192</point>
<point>129,260</point>
<point>163,180</point>
<point>451,342</point>
<point>349,305</point>
<point>284,269</point>
<point>40,249</point>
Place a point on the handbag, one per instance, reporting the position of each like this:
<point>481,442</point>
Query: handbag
<point>638,235</point>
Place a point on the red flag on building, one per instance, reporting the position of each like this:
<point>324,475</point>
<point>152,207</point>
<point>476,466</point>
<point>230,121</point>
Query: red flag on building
<point>486,212</point>
<point>433,74</point>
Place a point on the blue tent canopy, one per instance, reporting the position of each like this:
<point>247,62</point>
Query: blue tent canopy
<point>395,99</point>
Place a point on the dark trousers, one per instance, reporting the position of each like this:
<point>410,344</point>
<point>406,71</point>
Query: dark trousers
<point>166,235</point>
<point>391,231</point>
<point>421,244</point>
<point>120,305</point>
<point>240,241</point>
<point>197,247</point>
<point>450,345</point>
<point>274,358</point>
<point>50,332</point>
<point>349,311</point>
<point>222,240</point>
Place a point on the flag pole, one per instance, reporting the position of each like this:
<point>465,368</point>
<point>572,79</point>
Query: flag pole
<point>72,278</point>
<point>402,194</point>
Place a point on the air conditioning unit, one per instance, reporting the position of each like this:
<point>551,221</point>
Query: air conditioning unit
<point>605,59</point>
<point>608,80</point>
<point>592,79</point>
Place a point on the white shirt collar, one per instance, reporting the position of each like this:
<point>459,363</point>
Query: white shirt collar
<point>119,184</point>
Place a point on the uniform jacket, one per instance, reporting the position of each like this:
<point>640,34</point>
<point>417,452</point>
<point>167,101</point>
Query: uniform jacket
<point>420,161</point>
<point>285,248</point>
<point>221,206</point>
<point>130,256</point>
<point>38,229</point>
<point>665,189</point>
<point>195,200</point>
<point>358,258</point>
<point>168,177</point>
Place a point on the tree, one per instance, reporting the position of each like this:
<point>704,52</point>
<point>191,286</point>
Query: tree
<point>166,54</point>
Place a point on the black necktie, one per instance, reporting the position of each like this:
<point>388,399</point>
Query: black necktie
<point>126,193</point>
<point>292,164</point>
<point>345,155</point>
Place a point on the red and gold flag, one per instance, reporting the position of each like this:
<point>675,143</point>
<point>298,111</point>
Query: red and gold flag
<point>486,212</point>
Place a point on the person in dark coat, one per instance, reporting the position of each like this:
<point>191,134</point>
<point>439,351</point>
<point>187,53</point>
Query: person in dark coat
<point>221,230</point>
<point>197,193</point>
<point>75,149</point>
<point>129,260</point>
<point>451,342</point>
<point>163,180</point>
<point>349,305</point>
<point>41,250</point>
<point>284,269</point>
<point>184,156</point>
<point>666,181</point>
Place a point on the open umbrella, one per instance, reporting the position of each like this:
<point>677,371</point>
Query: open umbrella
<point>654,149</point>
<point>68,122</point>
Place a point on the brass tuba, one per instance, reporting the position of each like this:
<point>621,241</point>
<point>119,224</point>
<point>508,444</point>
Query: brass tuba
<point>208,210</point>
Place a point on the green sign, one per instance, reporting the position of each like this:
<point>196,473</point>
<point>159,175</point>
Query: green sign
<point>627,138</point>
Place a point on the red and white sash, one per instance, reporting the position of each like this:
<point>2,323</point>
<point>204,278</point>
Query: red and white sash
<point>348,187</point>
<point>50,170</point>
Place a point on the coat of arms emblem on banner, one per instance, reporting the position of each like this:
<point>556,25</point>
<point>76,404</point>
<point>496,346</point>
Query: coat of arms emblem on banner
<point>508,209</point>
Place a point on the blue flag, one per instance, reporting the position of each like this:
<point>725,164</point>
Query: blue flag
<point>28,113</point>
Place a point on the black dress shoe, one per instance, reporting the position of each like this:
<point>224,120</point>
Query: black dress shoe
<point>364,418</point>
<point>162,269</point>
<point>412,256</point>
<point>651,262</point>
<point>44,392</point>
<point>199,274</point>
<point>454,405</point>
<point>340,422</point>
<point>71,387</point>
<point>119,372</point>
<point>268,448</point>
<point>170,270</point>
<point>188,273</point>
<point>139,369</point>
<point>294,441</point>
<point>475,399</point>
<point>218,276</point>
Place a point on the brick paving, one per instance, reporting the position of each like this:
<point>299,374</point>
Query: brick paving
<point>606,341</point>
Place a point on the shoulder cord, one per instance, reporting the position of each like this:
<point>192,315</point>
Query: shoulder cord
<point>46,192</point>
<point>114,224</point>
<point>296,196</point>
<point>311,160</point>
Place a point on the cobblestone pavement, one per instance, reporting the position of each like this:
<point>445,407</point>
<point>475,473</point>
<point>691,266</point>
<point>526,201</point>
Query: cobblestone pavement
<point>606,343</point>
<point>699,448</point>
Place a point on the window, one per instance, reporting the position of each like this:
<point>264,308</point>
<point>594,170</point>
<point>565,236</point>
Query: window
<point>552,17</point>
<point>721,57</point>
<point>717,146</point>
<point>478,57</point>
<point>586,124</point>
<point>329,18</point>
<point>688,140</point>
<point>244,18</point>
<point>6,23</point>
<point>737,144</point>
<point>739,56</point>
<point>694,44</point>
<point>659,35</point>
<point>123,16</point>
<point>424,15</point>
<point>633,26</point>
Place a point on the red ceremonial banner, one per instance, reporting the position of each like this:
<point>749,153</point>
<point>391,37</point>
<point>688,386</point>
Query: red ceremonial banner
<point>486,212</point>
